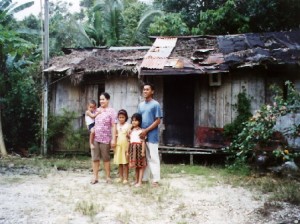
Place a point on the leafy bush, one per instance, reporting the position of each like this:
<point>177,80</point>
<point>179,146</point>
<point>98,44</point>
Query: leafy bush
<point>243,108</point>
<point>22,107</point>
<point>258,131</point>
<point>61,130</point>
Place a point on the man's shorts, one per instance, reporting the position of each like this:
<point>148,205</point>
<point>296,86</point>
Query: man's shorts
<point>101,151</point>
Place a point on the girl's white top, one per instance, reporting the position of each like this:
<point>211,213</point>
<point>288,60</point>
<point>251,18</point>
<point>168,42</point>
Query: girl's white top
<point>135,136</point>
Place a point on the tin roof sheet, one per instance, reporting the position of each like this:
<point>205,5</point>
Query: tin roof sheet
<point>156,57</point>
<point>154,63</point>
<point>165,42</point>
<point>158,52</point>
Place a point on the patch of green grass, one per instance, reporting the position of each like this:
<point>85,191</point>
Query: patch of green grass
<point>189,169</point>
<point>287,191</point>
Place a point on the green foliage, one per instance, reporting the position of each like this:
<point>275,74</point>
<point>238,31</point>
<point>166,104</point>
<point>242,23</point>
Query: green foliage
<point>243,108</point>
<point>285,14</point>
<point>132,14</point>
<point>63,31</point>
<point>189,10</point>
<point>118,23</point>
<point>239,16</point>
<point>238,167</point>
<point>21,113</point>
<point>18,90</point>
<point>226,19</point>
<point>285,154</point>
<point>170,24</point>
<point>61,129</point>
<point>257,132</point>
<point>144,23</point>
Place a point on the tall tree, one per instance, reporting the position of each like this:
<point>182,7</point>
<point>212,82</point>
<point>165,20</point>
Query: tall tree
<point>189,10</point>
<point>10,44</point>
<point>239,16</point>
<point>170,24</point>
<point>114,22</point>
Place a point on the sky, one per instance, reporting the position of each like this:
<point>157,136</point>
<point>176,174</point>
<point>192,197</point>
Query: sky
<point>36,8</point>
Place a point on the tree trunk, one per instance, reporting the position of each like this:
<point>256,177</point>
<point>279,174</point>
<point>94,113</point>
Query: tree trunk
<point>3,151</point>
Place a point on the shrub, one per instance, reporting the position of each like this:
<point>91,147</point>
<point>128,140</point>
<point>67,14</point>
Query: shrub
<point>258,131</point>
<point>243,108</point>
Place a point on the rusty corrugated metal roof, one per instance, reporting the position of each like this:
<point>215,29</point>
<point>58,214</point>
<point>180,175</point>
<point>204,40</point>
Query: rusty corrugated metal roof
<point>165,42</point>
<point>156,57</point>
<point>159,52</point>
<point>154,63</point>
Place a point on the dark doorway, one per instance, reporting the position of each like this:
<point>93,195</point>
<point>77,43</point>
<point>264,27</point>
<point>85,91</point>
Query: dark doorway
<point>179,111</point>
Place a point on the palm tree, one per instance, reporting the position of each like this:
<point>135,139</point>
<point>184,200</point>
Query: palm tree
<point>141,32</point>
<point>106,24</point>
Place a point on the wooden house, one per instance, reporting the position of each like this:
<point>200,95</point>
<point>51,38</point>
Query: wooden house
<point>197,79</point>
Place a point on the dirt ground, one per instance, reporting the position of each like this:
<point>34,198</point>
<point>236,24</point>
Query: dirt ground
<point>37,196</point>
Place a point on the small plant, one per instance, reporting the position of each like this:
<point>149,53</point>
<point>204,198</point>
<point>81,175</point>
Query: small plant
<point>86,208</point>
<point>243,108</point>
<point>285,154</point>
<point>61,131</point>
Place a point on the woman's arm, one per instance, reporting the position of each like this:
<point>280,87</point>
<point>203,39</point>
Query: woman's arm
<point>113,134</point>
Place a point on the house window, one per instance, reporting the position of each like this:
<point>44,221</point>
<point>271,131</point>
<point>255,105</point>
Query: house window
<point>215,79</point>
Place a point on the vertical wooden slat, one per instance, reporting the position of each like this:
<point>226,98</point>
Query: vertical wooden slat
<point>203,110</point>
<point>212,106</point>
<point>227,83</point>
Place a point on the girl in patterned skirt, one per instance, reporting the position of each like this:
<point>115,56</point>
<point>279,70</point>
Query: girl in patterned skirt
<point>137,150</point>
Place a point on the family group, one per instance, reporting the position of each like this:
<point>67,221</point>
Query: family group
<point>135,145</point>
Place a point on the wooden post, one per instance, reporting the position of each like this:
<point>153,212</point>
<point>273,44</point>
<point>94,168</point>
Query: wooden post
<point>45,81</point>
<point>191,159</point>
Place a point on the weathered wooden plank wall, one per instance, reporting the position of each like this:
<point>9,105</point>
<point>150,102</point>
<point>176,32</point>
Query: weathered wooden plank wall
<point>66,96</point>
<point>214,104</point>
<point>125,93</point>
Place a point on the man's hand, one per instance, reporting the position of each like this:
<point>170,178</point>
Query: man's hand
<point>143,134</point>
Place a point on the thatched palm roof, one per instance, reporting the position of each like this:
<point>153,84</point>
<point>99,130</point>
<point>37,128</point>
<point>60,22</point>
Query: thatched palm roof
<point>183,55</point>
<point>79,62</point>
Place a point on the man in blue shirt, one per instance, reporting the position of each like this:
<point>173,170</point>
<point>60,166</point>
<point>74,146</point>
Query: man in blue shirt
<point>151,116</point>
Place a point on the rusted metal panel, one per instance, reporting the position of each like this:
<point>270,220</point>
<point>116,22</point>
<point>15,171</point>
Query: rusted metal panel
<point>211,137</point>
<point>159,52</point>
<point>165,42</point>
<point>156,57</point>
<point>154,63</point>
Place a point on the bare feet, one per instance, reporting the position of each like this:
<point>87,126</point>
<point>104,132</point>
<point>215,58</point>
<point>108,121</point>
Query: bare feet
<point>108,180</point>
<point>94,181</point>
<point>138,185</point>
<point>155,184</point>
